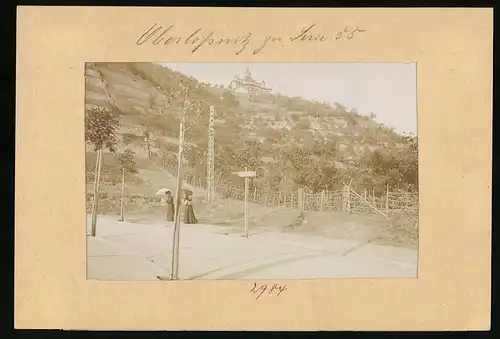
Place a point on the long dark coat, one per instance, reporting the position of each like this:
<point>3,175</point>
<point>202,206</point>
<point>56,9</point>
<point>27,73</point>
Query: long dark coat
<point>170,208</point>
<point>189,217</point>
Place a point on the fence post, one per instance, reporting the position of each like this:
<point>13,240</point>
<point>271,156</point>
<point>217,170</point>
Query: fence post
<point>365,195</point>
<point>123,189</point>
<point>387,201</point>
<point>291,199</point>
<point>349,200</point>
<point>300,198</point>
<point>279,199</point>
<point>344,198</point>
<point>266,199</point>
<point>254,194</point>
<point>322,200</point>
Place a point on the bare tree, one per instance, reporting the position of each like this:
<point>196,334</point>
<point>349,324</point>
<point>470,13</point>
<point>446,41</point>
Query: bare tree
<point>190,108</point>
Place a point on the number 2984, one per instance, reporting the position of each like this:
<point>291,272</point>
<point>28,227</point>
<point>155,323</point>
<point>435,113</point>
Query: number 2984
<point>274,289</point>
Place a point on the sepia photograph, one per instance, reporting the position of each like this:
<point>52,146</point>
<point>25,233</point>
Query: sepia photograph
<point>227,171</point>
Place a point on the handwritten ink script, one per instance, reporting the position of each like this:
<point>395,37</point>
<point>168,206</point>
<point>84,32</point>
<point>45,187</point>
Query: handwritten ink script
<point>275,289</point>
<point>201,38</point>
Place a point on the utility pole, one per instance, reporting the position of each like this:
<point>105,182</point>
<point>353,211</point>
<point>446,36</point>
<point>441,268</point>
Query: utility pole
<point>211,157</point>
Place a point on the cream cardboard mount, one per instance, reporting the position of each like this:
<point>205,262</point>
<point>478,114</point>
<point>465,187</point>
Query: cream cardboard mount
<point>273,278</point>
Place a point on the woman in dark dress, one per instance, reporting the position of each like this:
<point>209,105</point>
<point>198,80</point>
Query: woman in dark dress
<point>170,205</point>
<point>189,217</point>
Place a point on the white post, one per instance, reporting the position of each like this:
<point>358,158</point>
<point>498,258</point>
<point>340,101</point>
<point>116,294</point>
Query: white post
<point>246,175</point>
<point>246,205</point>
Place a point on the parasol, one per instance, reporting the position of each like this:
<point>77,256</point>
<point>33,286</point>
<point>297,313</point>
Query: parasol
<point>162,191</point>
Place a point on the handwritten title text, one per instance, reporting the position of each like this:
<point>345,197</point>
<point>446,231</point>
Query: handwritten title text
<point>200,38</point>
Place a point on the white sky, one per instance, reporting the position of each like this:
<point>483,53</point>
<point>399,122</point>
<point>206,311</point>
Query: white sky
<point>386,89</point>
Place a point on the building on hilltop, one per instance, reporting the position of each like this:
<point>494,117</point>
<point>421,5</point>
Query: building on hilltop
<point>248,85</point>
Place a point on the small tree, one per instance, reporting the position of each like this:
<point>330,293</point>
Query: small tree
<point>126,162</point>
<point>100,128</point>
<point>249,155</point>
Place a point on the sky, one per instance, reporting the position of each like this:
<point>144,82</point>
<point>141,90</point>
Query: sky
<point>389,90</point>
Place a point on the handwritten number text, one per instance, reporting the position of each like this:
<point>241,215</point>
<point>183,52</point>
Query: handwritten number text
<point>275,289</point>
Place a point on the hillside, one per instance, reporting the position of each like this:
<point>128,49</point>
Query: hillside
<point>289,141</point>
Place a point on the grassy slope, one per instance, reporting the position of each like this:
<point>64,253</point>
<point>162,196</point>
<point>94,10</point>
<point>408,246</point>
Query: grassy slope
<point>303,121</point>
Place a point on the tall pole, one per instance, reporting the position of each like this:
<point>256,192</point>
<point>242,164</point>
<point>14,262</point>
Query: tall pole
<point>211,157</point>
<point>123,188</point>
<point>246,205</point>
<point>176,237</point>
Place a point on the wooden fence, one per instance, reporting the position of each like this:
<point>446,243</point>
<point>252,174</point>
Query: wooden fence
<point>346,199</point>
<point>392,203</point>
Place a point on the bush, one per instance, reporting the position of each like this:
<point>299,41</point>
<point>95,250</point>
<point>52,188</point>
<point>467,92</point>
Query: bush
<point>128,138</point>
<point>303,124</point>
<point>351,119</point>
<point>229,99</point>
